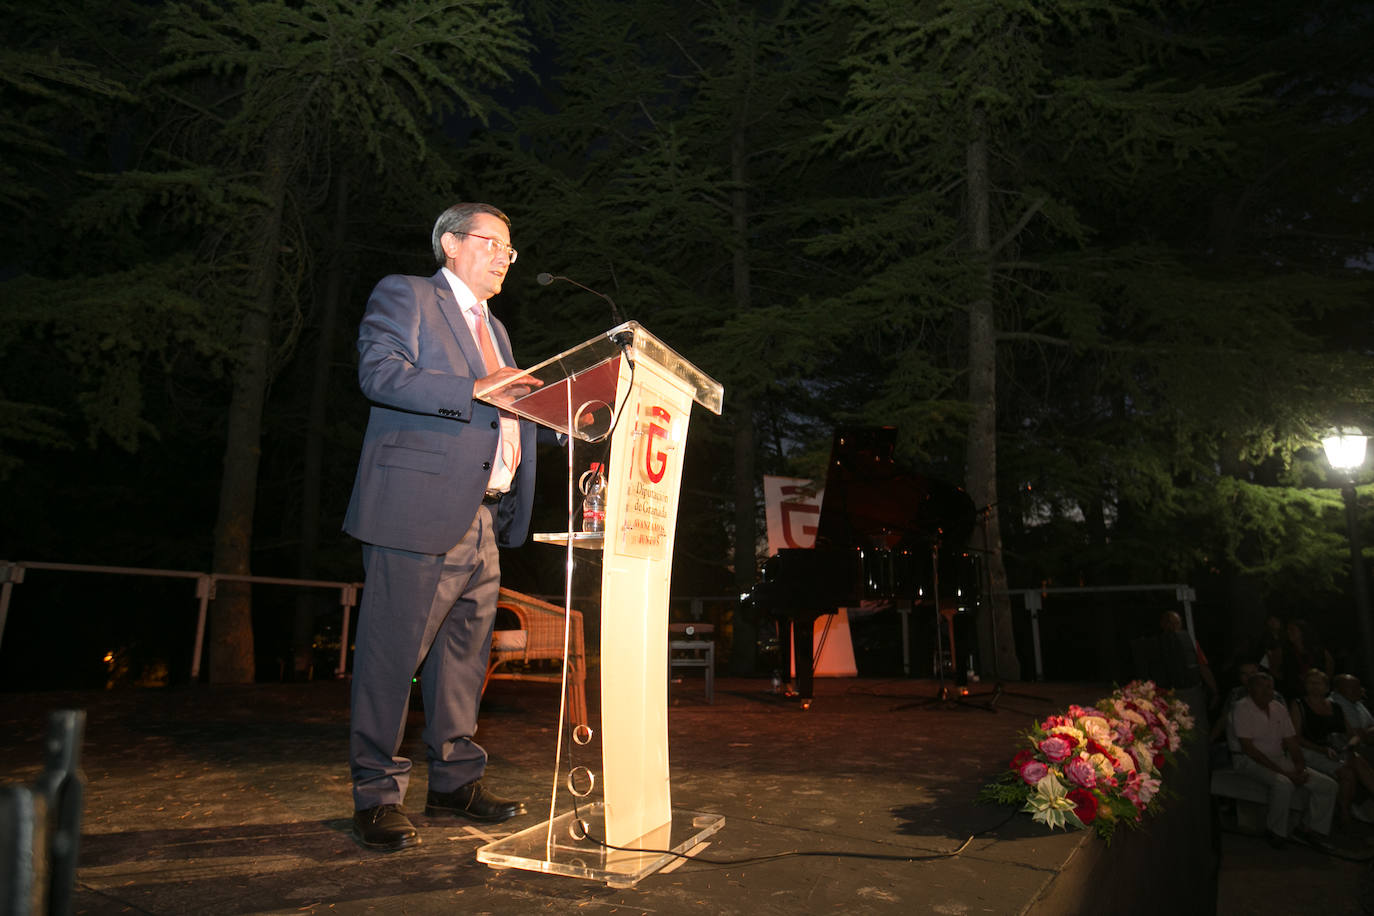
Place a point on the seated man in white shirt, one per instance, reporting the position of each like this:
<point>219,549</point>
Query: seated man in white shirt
<point>1272,755</point>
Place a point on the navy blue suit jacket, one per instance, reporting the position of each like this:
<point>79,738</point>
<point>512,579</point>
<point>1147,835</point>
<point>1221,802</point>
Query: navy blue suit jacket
<point>429,447</point>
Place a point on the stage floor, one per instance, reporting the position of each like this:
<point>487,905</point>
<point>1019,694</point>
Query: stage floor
<point>235,800</point>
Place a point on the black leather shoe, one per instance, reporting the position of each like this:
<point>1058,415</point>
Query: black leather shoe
<point>384,827</point>
<point>473,802</point>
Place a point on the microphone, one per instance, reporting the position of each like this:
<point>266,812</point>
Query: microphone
<point>544,279</point>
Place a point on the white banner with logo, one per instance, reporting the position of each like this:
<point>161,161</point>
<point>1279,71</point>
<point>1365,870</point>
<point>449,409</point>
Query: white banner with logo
<point>792,506</point>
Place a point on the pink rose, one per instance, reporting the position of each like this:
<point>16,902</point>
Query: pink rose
<point>1032,771</point>
<point>1081,772</point>
<point>1056,747</point>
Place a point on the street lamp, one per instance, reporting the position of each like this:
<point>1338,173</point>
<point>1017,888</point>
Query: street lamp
<point>1345,450</point>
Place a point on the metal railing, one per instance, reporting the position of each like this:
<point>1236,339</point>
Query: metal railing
<point>12,574</point>
<point>1033,601</point>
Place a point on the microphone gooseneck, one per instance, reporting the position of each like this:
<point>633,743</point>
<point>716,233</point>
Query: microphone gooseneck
<point>544,279</point>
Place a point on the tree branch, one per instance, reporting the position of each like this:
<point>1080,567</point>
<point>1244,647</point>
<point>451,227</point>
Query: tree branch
<point>1015,230</point>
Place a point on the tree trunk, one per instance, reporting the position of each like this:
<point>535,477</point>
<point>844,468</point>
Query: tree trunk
<point>995,628</point>
<point>309,601</point>
<point>745,636</point>
<point>231,615</point>
<point>744,641</point>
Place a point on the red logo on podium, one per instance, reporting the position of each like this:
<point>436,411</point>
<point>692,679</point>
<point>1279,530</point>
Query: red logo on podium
<point>652,431</point>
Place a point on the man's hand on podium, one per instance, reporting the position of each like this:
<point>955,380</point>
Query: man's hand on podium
<point>508,381</point>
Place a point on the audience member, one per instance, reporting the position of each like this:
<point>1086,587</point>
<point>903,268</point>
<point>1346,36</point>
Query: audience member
<point>1349,696</point>
<point>1269,645</point>
<point>1239,690</point>
<point>1302,651</point>
<point>1170,623</point>
<point>1325,737</point>
<point>1221,733</point>
<point>1273,756</point>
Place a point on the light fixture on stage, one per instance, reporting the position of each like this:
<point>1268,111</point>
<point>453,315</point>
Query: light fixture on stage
<point>1345,451</point>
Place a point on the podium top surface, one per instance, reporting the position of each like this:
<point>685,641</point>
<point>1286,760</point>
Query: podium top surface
<point>574,392</point>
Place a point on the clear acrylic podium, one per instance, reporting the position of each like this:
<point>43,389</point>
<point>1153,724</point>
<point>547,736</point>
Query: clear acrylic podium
<point>617,823</point>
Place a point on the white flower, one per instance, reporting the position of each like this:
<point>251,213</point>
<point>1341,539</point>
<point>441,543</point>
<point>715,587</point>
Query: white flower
<point>1105,770</point>
<point>1049,804</point>
<point>1096,728</point>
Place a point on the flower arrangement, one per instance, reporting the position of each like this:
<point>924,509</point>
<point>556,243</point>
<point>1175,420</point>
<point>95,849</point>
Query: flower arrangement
<point>1097,766</point>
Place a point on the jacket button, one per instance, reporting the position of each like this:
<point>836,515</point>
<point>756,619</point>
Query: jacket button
<point>486,465</point>
<point>494,424</point>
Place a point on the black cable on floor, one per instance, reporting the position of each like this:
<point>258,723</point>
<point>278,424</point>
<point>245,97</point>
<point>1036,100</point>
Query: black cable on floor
<point>812,853</point>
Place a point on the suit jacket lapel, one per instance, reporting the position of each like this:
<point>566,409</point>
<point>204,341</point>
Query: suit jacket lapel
<point>453,313</point>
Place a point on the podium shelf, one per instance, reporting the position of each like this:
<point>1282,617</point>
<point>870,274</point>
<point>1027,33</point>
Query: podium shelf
<point>589,540</point>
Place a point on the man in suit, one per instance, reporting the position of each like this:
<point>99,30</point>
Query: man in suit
<point>443,480</point>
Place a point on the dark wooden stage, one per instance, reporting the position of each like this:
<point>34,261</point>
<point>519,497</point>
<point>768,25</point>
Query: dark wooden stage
<point>214,800</point>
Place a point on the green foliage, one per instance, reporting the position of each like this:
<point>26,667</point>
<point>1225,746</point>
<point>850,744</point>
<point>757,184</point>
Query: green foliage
<point>114,331</point>
<point>39,91</point>
<point>1135,363</point>
<point>372,67</point>
<point>1277,533</point>
<point>1177,260</point>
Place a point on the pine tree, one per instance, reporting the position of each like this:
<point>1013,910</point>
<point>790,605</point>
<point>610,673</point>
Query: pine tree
<point>1023,126</point>
<point>266,87</point>
<point>665,169</point>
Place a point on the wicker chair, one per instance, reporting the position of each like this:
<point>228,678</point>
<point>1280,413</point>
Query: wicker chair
<point>539,638</point>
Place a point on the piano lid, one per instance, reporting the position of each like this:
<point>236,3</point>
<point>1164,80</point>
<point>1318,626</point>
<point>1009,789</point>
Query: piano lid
<point>871,502</point>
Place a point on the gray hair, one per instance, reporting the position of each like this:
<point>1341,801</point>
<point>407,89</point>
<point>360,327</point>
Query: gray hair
<point>458,219</point>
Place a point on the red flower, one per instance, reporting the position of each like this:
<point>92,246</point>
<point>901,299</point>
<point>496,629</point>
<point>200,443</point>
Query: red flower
<point>1021,759</point>
<point>1159,761</point>
<point>1084,805</point>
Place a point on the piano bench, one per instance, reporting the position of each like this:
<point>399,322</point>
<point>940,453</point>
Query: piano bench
<point>694,653</point>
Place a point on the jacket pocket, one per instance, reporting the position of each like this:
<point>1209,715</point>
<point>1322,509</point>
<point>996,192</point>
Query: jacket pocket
<point>427,461</point>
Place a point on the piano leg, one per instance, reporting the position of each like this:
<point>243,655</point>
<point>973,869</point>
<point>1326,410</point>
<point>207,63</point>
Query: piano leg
<point>957,666</point>
<point>803,655</point>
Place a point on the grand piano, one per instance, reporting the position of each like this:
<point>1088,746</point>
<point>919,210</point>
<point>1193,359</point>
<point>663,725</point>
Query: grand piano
<point>884,534</point>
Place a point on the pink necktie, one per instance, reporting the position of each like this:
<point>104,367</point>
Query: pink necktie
<point>484,343</point>
<point>510,444</point>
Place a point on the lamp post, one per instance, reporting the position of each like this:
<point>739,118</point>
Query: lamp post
<point>1345,451</point>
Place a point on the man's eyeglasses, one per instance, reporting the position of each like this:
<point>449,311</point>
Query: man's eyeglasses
<point>494,245</point>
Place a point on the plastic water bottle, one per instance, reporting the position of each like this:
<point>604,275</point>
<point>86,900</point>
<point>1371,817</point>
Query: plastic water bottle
<point>594,505</point>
